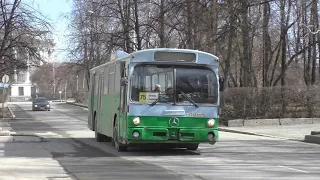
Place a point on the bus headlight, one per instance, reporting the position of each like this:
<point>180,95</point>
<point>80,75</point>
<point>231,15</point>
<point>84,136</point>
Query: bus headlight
<point>136,121</point>
<point>210,123</point>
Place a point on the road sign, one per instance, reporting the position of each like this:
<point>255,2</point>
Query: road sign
<point>5,78</point>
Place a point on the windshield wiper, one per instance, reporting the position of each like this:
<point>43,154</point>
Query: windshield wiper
<point>185,95</point>
<point>154,102</point>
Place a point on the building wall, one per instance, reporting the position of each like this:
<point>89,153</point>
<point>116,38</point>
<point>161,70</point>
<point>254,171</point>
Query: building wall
<point>21,87</point>
<point>20,92</point>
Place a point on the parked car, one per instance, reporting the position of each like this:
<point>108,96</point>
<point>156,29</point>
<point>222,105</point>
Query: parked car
<point>40,103</point>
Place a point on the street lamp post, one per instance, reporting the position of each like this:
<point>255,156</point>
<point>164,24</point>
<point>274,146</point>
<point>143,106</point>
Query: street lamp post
<point>65,91</point>
<point>28,65</point>
<point>77,83</point>
<point>53,73</point>
<point>15,76</point>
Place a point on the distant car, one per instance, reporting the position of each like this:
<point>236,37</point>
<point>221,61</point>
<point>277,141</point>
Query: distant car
<point>40,103</point>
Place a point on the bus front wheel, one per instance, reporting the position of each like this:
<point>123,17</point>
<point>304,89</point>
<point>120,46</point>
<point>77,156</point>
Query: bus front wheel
<point>115,140</point>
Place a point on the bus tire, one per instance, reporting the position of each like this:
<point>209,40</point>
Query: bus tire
<point>99,137</point>
<point>120,147</point>
<point>192,147</point>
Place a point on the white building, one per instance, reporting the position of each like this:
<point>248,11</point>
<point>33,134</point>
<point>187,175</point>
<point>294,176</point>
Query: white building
<point>22,88</point>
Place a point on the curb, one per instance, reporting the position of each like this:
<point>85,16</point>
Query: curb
<point>11,112</point>
<point>271,122</point>
<point>19,138</point>
<point>76,104</point>
<point>315,139</point>
<point>256,134</point>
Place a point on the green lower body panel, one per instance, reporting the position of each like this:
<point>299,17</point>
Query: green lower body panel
<point>171,135</point>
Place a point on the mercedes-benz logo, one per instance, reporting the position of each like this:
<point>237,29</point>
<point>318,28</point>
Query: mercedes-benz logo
<point>174,121</point>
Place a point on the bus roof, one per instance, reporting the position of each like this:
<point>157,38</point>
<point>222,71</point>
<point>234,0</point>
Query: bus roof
<point>148,55</point>
<point>173,50</point>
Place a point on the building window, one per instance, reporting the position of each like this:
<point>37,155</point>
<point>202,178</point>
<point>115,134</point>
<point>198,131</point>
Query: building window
<point>22,76</point>
<point>21,92</point>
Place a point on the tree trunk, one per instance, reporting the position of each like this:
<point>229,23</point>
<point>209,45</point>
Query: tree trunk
<point>214,15</point>
<point>266,44</point>
<point>190,26</point>
<point>232,19</point>
<point>162,21</point>
<point>314,50</point>
<point>137,25</point>
<point>304,42</point>
<point>283,40</point>
<point>245,44</point>
<point>316,18</point>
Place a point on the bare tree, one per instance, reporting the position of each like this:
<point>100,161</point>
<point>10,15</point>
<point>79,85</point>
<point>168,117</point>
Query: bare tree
<point>256,40</point>
<point>22,29</point>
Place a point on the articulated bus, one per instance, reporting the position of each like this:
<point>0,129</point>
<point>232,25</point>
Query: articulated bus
<point>158,96</point>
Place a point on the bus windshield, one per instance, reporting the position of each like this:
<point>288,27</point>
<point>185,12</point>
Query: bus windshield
<point>150,83</point>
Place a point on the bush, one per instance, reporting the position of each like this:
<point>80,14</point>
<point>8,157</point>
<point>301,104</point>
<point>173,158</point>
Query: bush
<point>270,102</point>
<point>81,97</point>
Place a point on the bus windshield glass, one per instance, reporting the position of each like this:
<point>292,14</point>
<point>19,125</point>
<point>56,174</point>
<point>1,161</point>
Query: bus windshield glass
<point>154,84</point>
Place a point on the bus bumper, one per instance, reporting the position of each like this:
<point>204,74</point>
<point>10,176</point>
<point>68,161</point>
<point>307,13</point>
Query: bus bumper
<point>172,135</point>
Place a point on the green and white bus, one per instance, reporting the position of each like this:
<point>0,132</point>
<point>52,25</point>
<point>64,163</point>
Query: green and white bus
<point>161,96</point>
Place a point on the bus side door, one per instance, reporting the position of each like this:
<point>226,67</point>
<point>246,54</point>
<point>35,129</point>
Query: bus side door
<point>99,105</point>
<point>123,101</point>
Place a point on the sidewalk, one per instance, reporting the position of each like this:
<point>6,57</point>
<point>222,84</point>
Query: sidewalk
<point>290,132</point>
<point>29,161</point>
<point>6,134</point>
<point>26,156</point>
<point>7,112</point>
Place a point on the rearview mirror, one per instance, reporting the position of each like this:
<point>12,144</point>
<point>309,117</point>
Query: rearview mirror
<point>124,81</point>
<point>221,83</point>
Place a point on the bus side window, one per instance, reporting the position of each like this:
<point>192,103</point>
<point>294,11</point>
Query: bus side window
<point>117,78</point>
<point>106,80</point>
<point>111,80</point>
<point>96,85</point>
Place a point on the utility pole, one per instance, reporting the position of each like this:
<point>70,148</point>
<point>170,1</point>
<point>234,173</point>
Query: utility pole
<point>5,79</point>
<point>65,91</point>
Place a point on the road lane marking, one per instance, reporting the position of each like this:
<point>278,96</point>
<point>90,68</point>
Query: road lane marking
<point>293,169</point>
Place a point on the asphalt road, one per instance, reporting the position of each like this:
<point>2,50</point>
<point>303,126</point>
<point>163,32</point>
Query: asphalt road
<point>235,156</point>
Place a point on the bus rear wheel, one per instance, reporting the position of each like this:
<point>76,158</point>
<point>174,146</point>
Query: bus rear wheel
<point>192,147</point>
<point>115,140</point>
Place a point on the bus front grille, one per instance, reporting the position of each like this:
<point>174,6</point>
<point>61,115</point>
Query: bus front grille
<point>159,134</point>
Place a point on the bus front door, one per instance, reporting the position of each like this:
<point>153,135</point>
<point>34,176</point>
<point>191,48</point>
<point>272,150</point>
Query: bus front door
<point>91,103</point>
